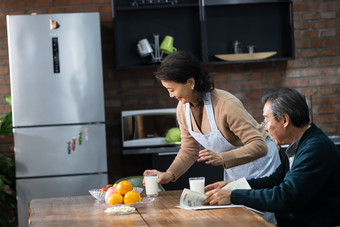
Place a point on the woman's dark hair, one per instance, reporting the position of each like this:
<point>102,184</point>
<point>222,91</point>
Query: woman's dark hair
<point>179,66</point>
<point>288,101</point>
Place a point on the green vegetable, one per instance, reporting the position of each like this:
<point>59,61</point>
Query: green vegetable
<point>173,135</point>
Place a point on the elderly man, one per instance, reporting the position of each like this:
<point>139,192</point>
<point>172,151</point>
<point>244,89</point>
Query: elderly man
<point>305,189</point>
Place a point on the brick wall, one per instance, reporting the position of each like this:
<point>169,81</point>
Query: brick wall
<point>315,71</point>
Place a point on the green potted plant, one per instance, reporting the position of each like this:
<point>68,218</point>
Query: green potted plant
<point>7,175</point>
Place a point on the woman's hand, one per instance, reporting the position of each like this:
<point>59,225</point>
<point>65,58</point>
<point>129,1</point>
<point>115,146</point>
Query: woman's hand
<point>210,157</point>
<point>218,196</point>
<point>216,185</point>
<point>163,177</point>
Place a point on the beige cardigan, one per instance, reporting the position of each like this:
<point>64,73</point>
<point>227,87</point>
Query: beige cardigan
<point>235,124</point>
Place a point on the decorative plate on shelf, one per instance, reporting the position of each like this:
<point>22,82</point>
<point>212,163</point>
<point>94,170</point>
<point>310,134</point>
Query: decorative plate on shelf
<point>245,56</point>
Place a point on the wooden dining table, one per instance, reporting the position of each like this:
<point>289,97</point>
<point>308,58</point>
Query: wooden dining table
<point>162,211</point>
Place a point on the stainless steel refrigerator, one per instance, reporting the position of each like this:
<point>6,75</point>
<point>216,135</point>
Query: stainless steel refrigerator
<point>58,106</point>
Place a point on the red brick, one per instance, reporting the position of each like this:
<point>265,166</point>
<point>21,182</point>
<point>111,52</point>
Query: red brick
<point>128,83</point>
<point>106,9</point>
<point>300,7</point>
<point>301,25</point>
<point>310,34</point>
<point>220,77</point>
<point>102,2</point>
<point>328,33</point>
<point>310,72</point>
<point>55,10</point>
<point>293,73</point>
<point>74,9</point>
<point>326,24</point>
<point>297,64</point>
<point>325,6</point>
<point>254,85</point>
<point>328,72</point>
<point>309,53</point>
<point>255,95</point>
<point>326,62</point>
<point>3,52</point>
<point>19,4</point>
<point>297,35</point>
<point>326,110</point>
<point>147,101</point>
<point>310,16</point>
<point>237,76</point>
<point>113,103</point>
<point>17,12</point>
<point>146,82</point>
<point>301,44</point>
<point>309,91</point>
<point>91,9</point>
<point>317,43</point>
<point>71,3</point>
<point>255,76</point>
<point>292,83</point>
<point>274,75</point>
<point>325,81</point>
<point>328,15</point>
<point>332,42</point>
<point>326,100</point>
<point>329,52</point>
<point>329,129</point>
<point>44,3</point>
<point>296,17</point>
<point>328,91</point>
<point>37,11</point>
<point>3,70</point>
<point>7,80</point>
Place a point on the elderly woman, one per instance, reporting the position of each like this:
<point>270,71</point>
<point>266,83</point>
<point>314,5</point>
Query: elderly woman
<point>216,120</point>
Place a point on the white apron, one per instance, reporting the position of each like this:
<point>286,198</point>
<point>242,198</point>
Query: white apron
<point>216,142</point>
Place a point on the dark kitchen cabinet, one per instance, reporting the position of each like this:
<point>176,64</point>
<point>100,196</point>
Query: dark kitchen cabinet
<point>203,27</point>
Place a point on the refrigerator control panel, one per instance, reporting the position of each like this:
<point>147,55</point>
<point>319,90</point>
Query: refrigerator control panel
<point>55,49</point>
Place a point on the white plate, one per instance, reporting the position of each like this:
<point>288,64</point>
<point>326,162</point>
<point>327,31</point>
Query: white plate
<point>110,210</point>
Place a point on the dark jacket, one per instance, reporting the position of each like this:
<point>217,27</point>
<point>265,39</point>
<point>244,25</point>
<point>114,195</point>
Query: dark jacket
<point>306,195</point>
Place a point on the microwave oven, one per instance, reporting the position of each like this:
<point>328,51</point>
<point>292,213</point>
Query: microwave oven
<point>147,128</point>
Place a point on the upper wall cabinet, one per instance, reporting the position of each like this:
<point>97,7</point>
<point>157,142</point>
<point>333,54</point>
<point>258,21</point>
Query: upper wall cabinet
<point>216,31</point>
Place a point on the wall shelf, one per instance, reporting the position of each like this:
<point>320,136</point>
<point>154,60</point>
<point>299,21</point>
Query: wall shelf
<point>205,28</point>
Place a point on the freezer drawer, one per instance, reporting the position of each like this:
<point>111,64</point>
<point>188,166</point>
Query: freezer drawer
<point>38,188</point>
<point>60,150</point>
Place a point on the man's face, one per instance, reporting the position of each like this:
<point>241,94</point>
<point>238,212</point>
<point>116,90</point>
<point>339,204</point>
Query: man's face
<point>274,127</point>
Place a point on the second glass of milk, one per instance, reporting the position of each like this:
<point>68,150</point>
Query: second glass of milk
<point>197,184</point>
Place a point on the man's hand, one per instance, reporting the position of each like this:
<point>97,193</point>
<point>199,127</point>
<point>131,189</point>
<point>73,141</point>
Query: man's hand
<point>218,196</point>
<point>216,185</point>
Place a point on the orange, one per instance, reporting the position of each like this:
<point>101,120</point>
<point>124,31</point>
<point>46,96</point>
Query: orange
<point>131,197</point>
<point>123,187</point>
<point>115,198</point>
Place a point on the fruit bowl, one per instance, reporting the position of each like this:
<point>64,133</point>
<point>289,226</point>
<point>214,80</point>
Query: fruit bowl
<point>98,194</point>
<point>137,189</point>
<point>143,202</point>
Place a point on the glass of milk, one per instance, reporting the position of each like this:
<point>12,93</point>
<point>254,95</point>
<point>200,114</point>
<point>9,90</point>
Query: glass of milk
<point>151,186</point>
<point>197,184</point>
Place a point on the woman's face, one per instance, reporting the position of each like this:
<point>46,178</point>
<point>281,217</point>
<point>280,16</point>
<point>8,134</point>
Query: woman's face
<point>182,92</point>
